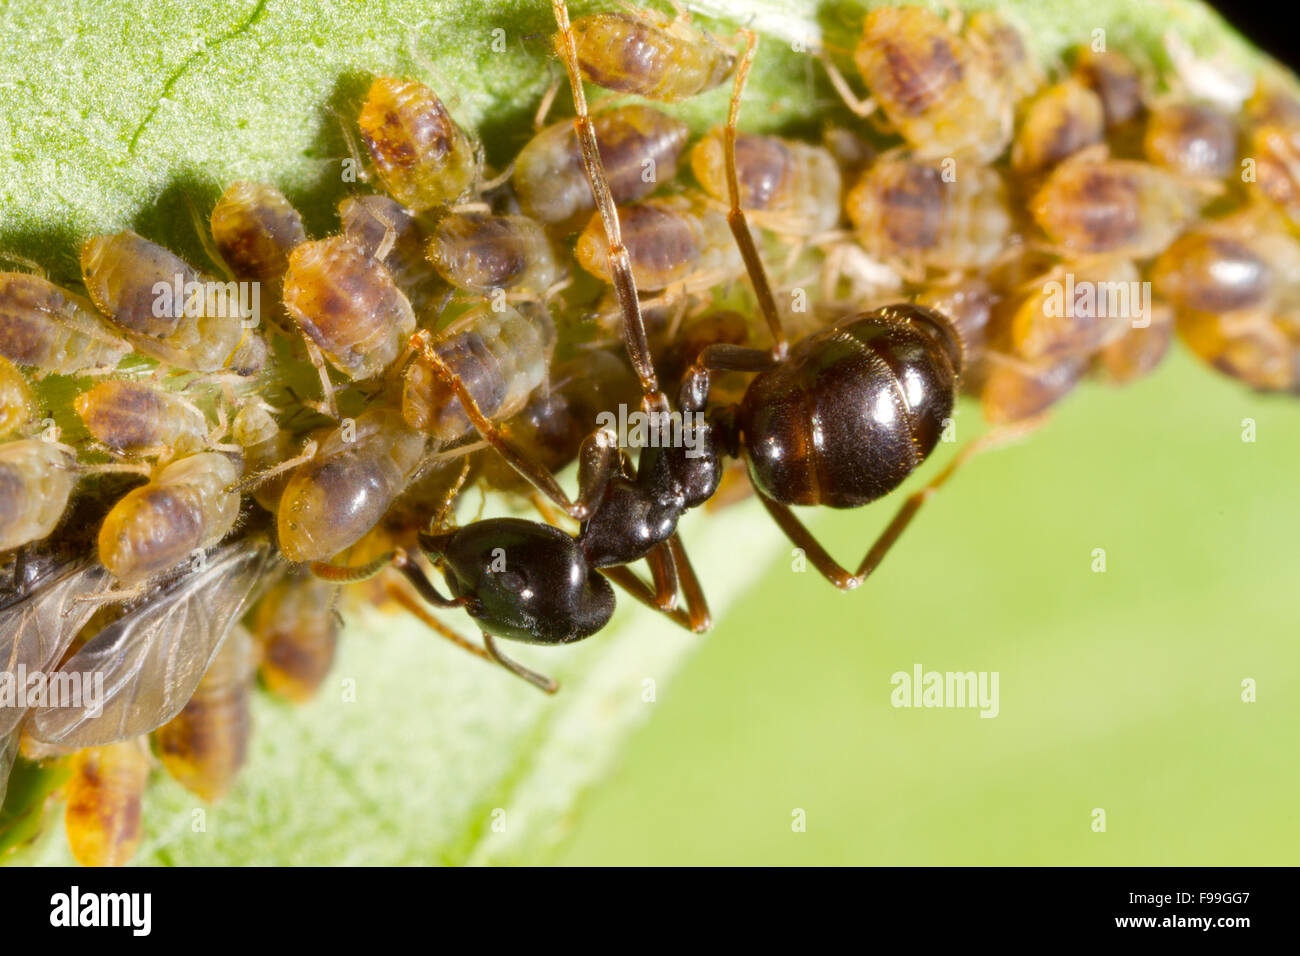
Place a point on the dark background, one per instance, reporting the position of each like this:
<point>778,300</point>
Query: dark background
<point>1267,24</point>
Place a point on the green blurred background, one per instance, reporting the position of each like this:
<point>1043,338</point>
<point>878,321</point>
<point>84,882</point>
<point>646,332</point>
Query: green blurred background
<point>1119,690</point>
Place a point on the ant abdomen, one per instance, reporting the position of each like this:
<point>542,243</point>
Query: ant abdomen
<point>853,410</point>
<point>523,580</point>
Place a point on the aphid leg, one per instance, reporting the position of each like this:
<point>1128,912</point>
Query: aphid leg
<point>598,458</point>
<point>736,217</point>
<point>354,155</point>
<point>620,264</point>
<point>864,108</point>
<point>205,240</point>
<point>327,406</point>
<point>832,570</point>
<point>252,481</point>
<point>497,181</point>
<point>548,100</point>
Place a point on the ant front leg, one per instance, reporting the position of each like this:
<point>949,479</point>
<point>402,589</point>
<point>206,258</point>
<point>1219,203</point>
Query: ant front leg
<point>598,460</point>
<point>836,573</point>
<point>696,617</point>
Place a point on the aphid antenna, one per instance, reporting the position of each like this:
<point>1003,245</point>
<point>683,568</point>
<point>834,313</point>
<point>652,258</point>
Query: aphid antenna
<point>305,454</point>
<point>205,240</point>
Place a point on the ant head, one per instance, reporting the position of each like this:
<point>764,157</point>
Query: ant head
<point>523,580</point>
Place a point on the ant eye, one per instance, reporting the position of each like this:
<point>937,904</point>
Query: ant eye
<point>511,581</point>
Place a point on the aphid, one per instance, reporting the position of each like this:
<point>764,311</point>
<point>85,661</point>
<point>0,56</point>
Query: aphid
<point>639,146</point>
<point>909,212</point>
<point>152,657</point>
<point>1114,78</point>
<point>17,402</point>
<point>642,52</point>
<point>185,508</point>
<point>1250,345</point>
<point>297,626</point>
<point>935,89</point>
<point>36,480</point>
<point>142,419</point>
<point>348,307</point>
<point>255,228</point>
<point>1060,121</point>
<point>389,233</point>
<point>1216,270</point>
<point>1003,50</point>
<point>105,792</point>
<point>167,309</point>
<point>1137,352</point>
<point>481,253</point>
<point>500,356</point>
<point>204,747</point>
<point>423,158</point>
<point>1076,310</point>
<point>676,242</point>
<point>1115,206</point>
<point>1018,391</point>
<point>789,187</point>
<point>51,329</point>
<point>1273,143</point>
<point>345,489</point>
<point>1193,139</point>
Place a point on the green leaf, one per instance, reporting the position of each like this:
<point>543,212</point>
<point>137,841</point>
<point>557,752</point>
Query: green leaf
<point>119,114</point>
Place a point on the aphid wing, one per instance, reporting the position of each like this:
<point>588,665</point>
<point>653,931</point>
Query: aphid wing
<point>153,658</point>
<point>37,629</point>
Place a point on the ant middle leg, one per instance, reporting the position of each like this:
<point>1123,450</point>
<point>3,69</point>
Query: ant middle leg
<point>836,573</point>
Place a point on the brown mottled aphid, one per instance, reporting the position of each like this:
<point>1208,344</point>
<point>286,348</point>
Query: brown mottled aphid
<point>348,307</point>
<point>1077,309</point>
<point>186,508</point>
<point>297,626</point>
<point>255,228</point>
<point>1114,78</point>
<point>679,242</point>
<point>105,792</point>
<point>204,747</point>
<point>388,232</point>
<point>1015,390</point>
<point>643,52</point>
<point>1248,260</point>
<point>482,253</point>
<point>639,146</point>
<point>17,401</point>
<point>48,328</point>
<point>1137,352</point>
<point>906,212</point>
<point>195,325</point>
<point>423,158</point>
<point>1092,205</point>
<point>1194,139</point>
<point>36,480</point>
<point>138,418</point>
<point>935,88</point>
<point>1061,120</point>
<point>1003,49</point>
<point>501,357</point>
<point>345,489</point>
<point>1273,142</point>
<point>789,187</point>
<point>1251,346</point>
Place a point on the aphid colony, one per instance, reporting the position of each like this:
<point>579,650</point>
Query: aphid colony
<point>187,523</point>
